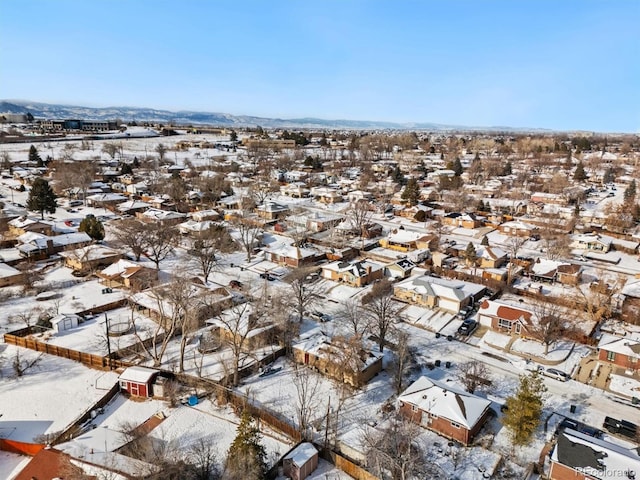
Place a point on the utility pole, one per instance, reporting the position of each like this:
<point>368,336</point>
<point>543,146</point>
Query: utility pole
<point>106,322</point>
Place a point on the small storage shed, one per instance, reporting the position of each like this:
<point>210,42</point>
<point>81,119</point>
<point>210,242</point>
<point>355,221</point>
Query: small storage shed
<point>65,321</point>
<point>138,381</point>
<point>301,461</point>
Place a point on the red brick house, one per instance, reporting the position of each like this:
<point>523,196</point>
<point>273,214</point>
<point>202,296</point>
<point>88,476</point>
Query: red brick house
<point>445,409</point>
<point>504,318</point>
<point>621,351</point>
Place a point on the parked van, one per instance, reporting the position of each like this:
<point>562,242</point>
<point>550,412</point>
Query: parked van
<point>622,427</point>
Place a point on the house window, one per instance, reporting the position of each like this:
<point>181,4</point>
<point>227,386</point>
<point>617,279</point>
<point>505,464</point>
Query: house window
<point>502,323</point>
<point>414,408</point>
<point>611,356</point>
<point>455,425</point>
<point>433,415</point>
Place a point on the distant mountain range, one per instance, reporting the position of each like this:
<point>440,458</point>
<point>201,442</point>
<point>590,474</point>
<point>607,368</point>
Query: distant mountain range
<point>128,114</point>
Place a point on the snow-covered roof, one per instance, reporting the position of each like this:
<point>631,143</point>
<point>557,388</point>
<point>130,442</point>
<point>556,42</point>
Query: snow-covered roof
<point>446,401</point>
<point>156,214</point>
<point>289,251</point>
<point>302,454</point>
<point>595,457</point>
<point>357,269</point>
<point>441,287</point>
<point>628,346</point>
<point>8,271</point>
<point>137,374</point>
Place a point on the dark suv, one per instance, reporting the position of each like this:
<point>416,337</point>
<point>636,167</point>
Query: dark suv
<point>468,327</point>
<point>622,427</point>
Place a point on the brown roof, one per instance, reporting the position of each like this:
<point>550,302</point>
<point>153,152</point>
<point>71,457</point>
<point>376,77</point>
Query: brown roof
<point>569,268</point>
<point>510,313</point>
<point>50,463</point>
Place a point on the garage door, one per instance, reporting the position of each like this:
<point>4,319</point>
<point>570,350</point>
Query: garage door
<point>450,305</point>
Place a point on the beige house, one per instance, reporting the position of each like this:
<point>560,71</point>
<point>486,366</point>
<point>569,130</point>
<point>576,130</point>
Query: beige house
<point>345,360</point>
<point>90,258</point>
<point>356,274</point>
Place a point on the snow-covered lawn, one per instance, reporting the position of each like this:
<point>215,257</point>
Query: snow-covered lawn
<point>48,397</point>
<point>625,385</point>
<point>558,351</point>
<point>11,464</point>
<point>495,339</point>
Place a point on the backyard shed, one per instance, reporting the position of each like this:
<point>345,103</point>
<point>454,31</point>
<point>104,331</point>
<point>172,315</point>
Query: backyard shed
<point>138,381</point>
<point>65,321</point>
<point>301,461</point>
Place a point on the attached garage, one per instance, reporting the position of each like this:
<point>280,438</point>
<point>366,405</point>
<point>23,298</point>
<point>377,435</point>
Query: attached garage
<point>449,305</point>
<point>138,381</point>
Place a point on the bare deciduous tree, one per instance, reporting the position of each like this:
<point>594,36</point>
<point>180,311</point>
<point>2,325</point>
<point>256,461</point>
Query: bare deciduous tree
<point>130,233</point>
<point>249,230</point>
<point>159,242</point>
<point>22,366</point>
<point>303,293</point>
<point>307,387</point>
<point>353,314</point>
<point>359,216</point>
<point>208,246</point>
<point>473,374</point>
<point>383,312</point>
<point>237,324</point>
<point>393,453</point>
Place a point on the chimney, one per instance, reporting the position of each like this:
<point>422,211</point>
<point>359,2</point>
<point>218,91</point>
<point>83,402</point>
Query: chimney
<point>50,249</point>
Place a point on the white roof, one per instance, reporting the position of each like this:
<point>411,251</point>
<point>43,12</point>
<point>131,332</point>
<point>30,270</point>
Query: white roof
<point>445,401</point>
<point>622,345</point>
<point>8,271</point>
<point>302,454</point>
<point>137,374</point>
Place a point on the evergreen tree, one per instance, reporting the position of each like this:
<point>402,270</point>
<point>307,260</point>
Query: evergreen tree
<point>579,174</point>
<point>34,156</point>
<point>485,241</point>
<point>456,166</point>
<point>397,176</point>
<point>246,459</point>
<point>470,254</point>
<point>126,169</point>
<point>41,197</point>
<point>630,192</point>
<point>568,162</point>
<point>233,136</point>
<point>92,227</point>
<point>507,169</point>
<point>524,408</point>
<point>411,192</point>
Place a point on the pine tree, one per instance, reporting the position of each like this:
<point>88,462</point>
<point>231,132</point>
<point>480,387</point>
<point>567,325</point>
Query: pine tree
<point>630,192</point>
<point>524,408</point>
<point>507,169</point>
<point>246,459</point>
<point>485,241</point>
<point>579,174</point>
<point>470,253</point>
<point>41,197</point>
<point>411,192</point>
<point>456,166</point>
<point>34,156</point>
<point>92,227</point>
<point>609,176</point>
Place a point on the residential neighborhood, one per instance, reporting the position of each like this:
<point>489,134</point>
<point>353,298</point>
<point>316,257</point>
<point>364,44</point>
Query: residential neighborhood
<point>330,298</point>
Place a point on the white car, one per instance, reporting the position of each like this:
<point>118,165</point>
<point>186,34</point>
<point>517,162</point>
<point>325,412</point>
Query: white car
<point>557,374</point>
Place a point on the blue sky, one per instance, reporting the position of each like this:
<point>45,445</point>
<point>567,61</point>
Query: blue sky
<point>559,64</point>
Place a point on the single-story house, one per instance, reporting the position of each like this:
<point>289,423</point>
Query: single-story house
<point>10,275</point>
<point>491,257</point>
<point>406,240</point>
<point>621,351</point>
<point>290,256</point>
<point>464,220</point>
<point>138,381</point>
<point>577,456</point>
<point>592,242</point>
<point>355,273</point>
<point>90,258</point>
<point>445,409</point>
<point>164,217</point>
<point>433,292</point>
<point>300,462</point>
<point>504,318</point>
<point>400,269</point>
<point>21,225</point>
<point>128,274</point>
<point>517,228</point>
<point>272,210</point>
<point>345,360</point>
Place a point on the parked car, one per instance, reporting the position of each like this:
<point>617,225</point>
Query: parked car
<point>622,427</point>
<point>267,276</point>
<point>468,327</point>
<point>557,374</point>
<point>318,316</point>
<point>579,427</point>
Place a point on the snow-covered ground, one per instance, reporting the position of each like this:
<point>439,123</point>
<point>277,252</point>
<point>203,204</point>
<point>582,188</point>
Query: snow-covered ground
<point>48,397</point>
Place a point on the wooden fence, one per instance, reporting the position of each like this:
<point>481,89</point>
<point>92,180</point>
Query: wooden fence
<point>88,359</point>
<point>347,466</point>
